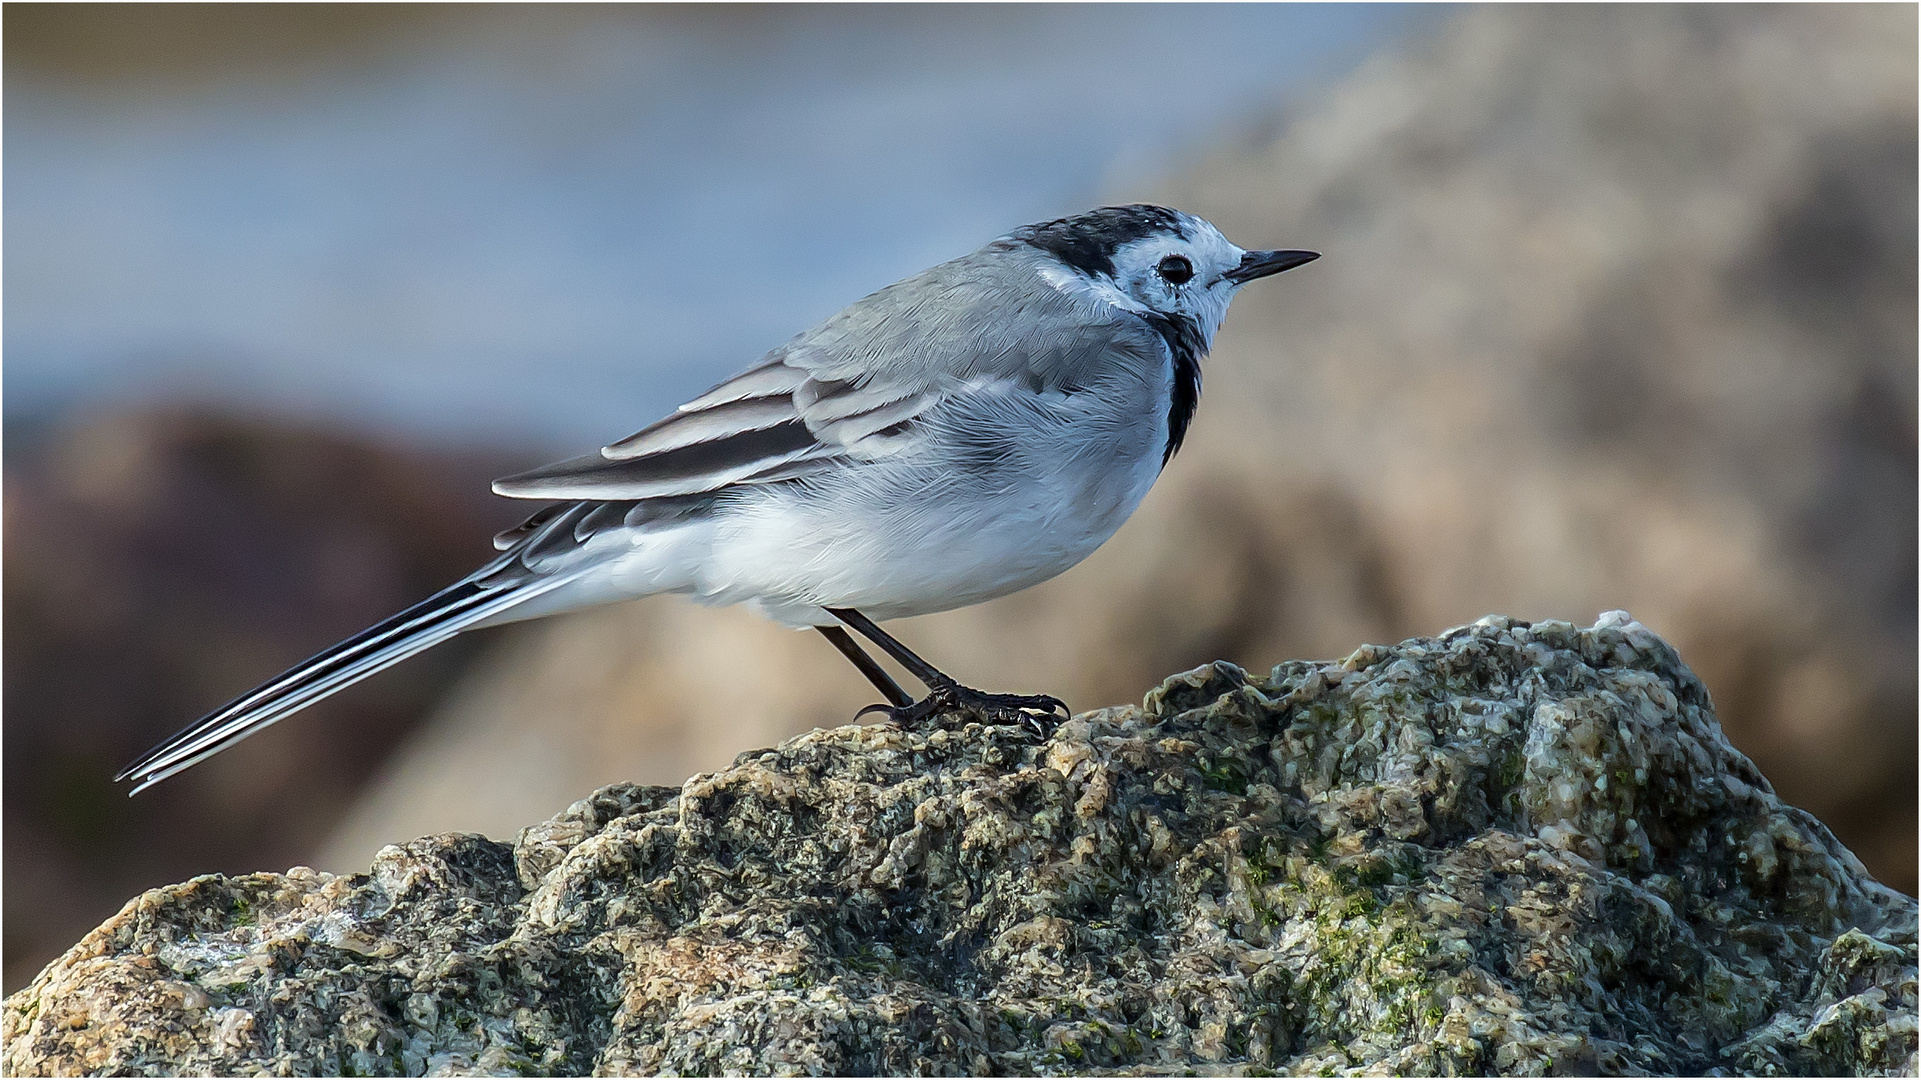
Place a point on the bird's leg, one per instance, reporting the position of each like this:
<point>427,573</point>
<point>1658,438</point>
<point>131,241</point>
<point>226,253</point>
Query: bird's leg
<point>1035,712</point>
<point>882,681</point>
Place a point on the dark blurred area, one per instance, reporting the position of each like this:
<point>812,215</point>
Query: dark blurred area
<point>122,45</point>
<point>1618,311</point>
<point>159,562</point>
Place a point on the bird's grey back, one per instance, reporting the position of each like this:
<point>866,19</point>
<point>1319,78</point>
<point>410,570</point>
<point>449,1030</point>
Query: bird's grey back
<point>861,385</point>
<point>987,315</point>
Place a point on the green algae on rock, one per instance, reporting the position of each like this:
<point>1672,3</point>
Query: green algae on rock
<point>1518,849</point>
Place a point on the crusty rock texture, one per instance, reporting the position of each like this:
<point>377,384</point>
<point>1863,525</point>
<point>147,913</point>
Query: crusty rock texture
<point>1513,848</point>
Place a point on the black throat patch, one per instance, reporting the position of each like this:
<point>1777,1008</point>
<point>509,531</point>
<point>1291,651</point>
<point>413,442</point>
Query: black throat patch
<point>1087,242</point>
<point>1184,342</point>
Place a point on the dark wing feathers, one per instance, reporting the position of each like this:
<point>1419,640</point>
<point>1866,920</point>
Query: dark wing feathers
<point>771,378</point>
<point>772,422</point>
<point>507,538</point>
<point>683,470</point>
<point>689,427</point>
<point>604,515</point>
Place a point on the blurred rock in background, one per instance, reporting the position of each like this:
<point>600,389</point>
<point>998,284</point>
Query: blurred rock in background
<point>160,562</point>
<point>1618,312</point>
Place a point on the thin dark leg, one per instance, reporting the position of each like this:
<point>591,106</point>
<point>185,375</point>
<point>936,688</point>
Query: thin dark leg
<point>1035,712</point>
<point>882,681</point>
<point>921,669</point>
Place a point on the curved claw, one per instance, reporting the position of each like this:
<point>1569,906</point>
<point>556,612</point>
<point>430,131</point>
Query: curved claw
<point>1041,726</point>
<point>1053,704</point>
<point>888,711</point>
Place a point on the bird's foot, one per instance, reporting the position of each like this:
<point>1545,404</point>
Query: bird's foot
<point>1039,714</point>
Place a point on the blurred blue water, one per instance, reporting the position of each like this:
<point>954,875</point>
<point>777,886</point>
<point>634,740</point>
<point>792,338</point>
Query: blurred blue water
<point>557,237</point>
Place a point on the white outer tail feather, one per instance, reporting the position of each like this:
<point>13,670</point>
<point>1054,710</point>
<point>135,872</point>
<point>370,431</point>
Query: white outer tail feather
<point>288,693</point>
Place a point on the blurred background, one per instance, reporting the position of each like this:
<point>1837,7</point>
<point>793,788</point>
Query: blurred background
<point>1618,310</point>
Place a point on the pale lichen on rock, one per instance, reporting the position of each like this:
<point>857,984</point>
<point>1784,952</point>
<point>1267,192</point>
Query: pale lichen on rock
<point>1513,848</point>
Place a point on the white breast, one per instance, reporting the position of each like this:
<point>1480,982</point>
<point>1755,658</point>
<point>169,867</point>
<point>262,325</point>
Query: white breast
<point>1009,489</point>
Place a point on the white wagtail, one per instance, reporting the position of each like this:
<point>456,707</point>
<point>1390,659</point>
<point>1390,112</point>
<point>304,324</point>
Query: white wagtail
<point>970,431</point>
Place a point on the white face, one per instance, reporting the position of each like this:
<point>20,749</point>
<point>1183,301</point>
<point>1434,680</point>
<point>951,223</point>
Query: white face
<point>1170,273</point>
<point>1177,276</point>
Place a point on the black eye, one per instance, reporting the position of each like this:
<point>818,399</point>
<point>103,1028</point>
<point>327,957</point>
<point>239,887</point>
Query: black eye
<point>1176,270</point>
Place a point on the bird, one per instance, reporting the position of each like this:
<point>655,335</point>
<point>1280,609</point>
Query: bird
<point>959,435</point>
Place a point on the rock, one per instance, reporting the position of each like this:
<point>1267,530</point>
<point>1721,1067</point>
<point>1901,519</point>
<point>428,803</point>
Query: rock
<point>1513,848</point>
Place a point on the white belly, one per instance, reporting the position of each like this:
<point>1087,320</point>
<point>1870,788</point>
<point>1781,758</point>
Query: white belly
<point>936,530</point>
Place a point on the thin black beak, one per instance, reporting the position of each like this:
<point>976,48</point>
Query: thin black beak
<point>1259,264</point>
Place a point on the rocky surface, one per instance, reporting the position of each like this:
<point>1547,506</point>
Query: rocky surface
<point>1513,848</point>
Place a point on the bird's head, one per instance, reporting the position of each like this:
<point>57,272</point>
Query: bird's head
<point>1151,259</point>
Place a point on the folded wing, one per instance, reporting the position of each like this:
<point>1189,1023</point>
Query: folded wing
<point>774,421</point>
<point>853,388</point>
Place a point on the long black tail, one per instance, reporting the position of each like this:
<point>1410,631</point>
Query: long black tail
<point>426,624</point>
